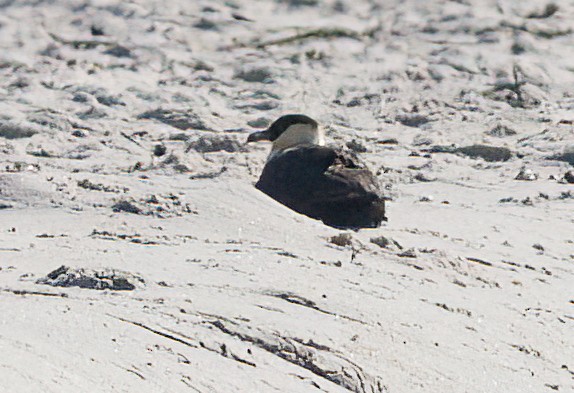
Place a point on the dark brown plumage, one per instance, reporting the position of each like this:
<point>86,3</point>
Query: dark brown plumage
<point>324,183</point>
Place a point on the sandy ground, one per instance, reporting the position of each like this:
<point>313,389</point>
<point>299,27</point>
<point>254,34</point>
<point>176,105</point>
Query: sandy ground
<point>122,158</point>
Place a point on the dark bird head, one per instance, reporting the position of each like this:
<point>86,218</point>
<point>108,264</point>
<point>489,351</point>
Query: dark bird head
<point>289,131</point>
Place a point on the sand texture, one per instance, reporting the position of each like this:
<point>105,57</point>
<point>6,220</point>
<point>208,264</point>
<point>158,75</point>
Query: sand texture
<point>137,256</point>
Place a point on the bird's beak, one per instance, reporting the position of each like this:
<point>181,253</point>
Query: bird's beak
<point>259,136</point>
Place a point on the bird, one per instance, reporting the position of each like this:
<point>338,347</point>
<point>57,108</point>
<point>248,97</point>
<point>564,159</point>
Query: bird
<point>326,183</point>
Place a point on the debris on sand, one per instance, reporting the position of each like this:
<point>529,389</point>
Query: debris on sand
<point>501,131</point>
<point>412,119</point>
<point>566,156</point>
<point>356,146</point>
<point>321,33</point>
<point>255,74</point>
<point>209,175</point>
<point>126,206</point>
<point>160,206</point>
<point>486,152</point>
<point>341,240</point>
<point>16,131</point>
<point>207,144</point>
<point>547,12</point>
<point>159,150</point>
<point>410,253</point>
<point>88,185</point>
<point>515,91</point>
<point>111,279</point>
<point>526,174</point>
<point>387,243</point>
<point>184,120</point>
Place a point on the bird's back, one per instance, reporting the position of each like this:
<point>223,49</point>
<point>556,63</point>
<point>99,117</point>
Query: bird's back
<point>325,183</point>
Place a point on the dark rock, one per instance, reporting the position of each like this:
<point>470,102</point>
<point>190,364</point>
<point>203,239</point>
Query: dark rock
<point>412,119</point>
<point>97,30</point>
<point>111,279</point>
<point>126,206</point>
<point>488,153</point>
<point>79,133</point>
<point>16,131</point>
<point>159,150</point>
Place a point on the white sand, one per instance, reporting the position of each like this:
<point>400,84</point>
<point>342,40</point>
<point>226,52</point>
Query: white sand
<point>241,294</point>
